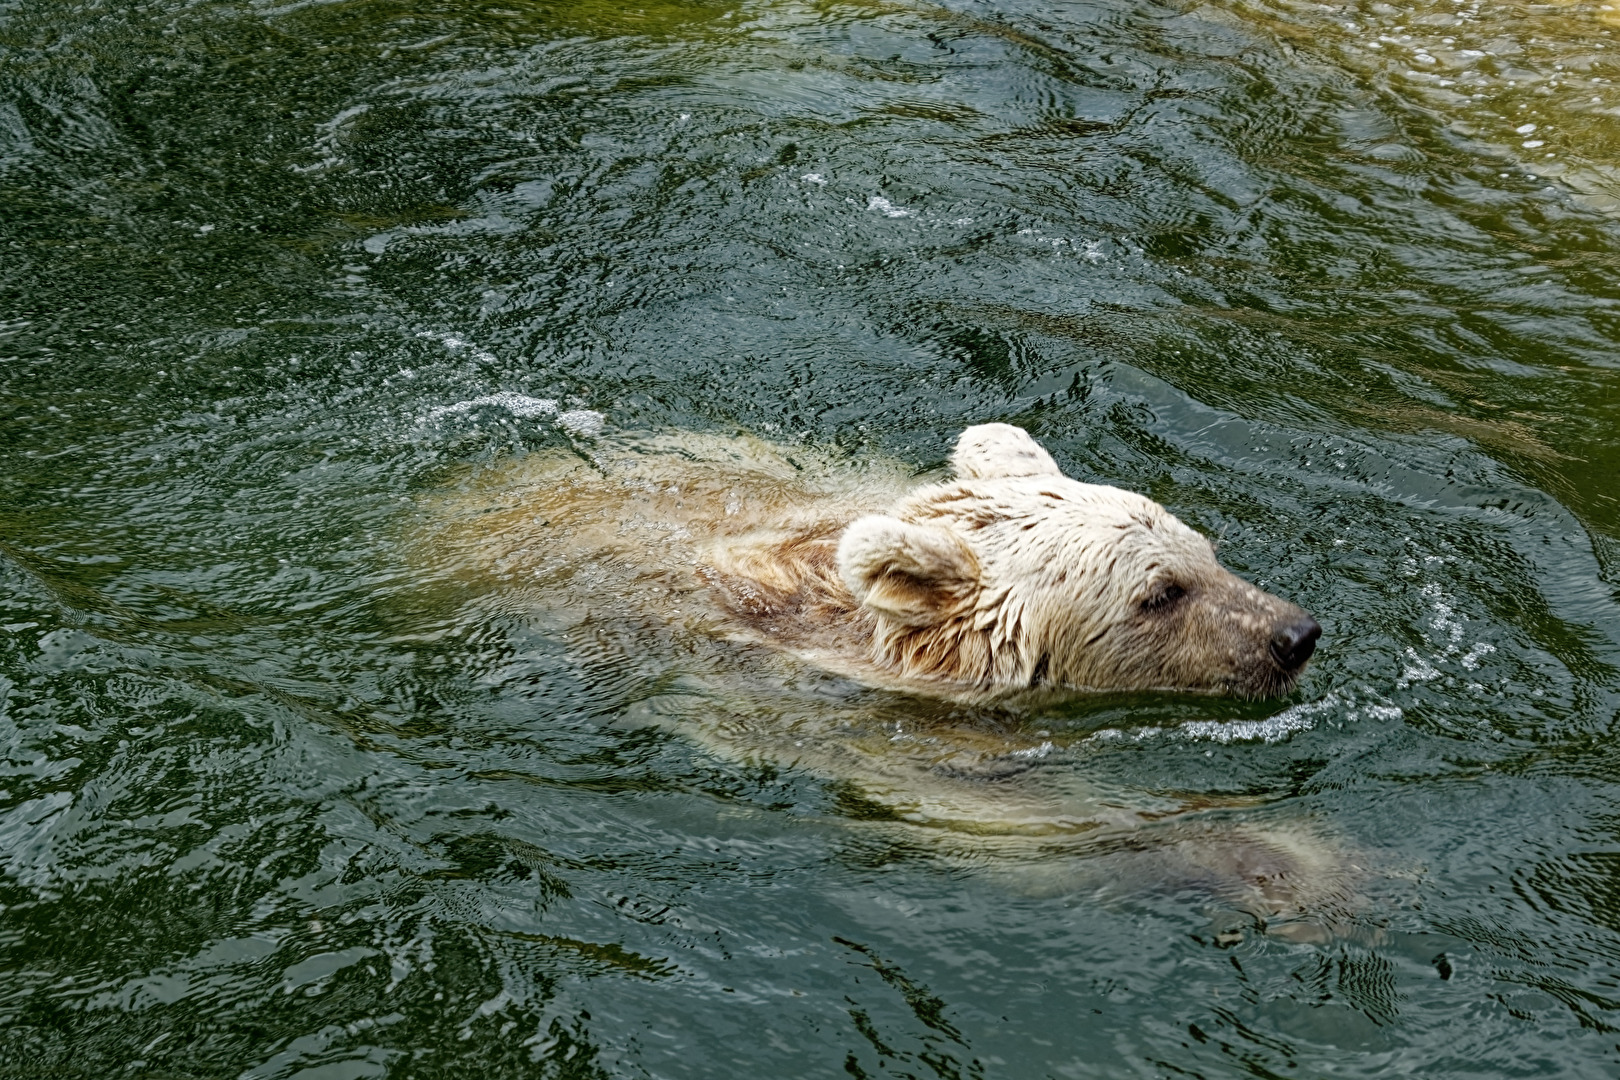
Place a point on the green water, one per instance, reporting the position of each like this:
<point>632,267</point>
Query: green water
<point>270,807</point>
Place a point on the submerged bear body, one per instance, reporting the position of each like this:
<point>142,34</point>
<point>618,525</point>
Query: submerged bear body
<point>1008,580</point>
<point>741,593</point>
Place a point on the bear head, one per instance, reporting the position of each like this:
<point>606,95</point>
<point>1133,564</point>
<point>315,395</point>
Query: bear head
<point>1014,577</point>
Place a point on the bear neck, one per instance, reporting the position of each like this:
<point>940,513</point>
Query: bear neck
<point>787,590</point>
<point>982,648</point>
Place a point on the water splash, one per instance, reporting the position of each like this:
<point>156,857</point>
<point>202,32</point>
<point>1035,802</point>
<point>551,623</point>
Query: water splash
<point>586,422</point>
<point>887,208</point>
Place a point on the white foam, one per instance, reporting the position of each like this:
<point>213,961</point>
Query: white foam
<point>1272,729</point>
<point>888,209</point>
<point>453,343</point>
<point>581,421</point>
<point>578,421</point>
<point>1448,630</point>
<point>1419,670</point>
<point>521,405</point>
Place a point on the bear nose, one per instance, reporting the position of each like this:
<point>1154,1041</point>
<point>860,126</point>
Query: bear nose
<point>1293,644</point>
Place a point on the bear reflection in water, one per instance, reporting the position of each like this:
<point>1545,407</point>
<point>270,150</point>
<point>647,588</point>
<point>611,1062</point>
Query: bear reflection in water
<point>760,588</point>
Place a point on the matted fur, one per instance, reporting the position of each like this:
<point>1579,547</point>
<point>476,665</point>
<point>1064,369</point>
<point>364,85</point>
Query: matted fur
<point>1006,580</point>
<point>1014,578</point>
<point>673,567</point>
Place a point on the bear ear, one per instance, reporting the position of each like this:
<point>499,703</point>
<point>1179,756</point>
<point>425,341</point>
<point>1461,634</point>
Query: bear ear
<point>986,451</point>
<point>917,575</point>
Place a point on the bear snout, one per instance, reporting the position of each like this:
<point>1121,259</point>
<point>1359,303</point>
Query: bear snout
<point>1294,641</point>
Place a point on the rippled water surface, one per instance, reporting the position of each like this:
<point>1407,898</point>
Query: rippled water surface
<point>1336,283</point>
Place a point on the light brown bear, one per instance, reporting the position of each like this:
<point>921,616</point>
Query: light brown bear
<point>675,567</point>
<point>1013,578</point>
<point>1009,580</point>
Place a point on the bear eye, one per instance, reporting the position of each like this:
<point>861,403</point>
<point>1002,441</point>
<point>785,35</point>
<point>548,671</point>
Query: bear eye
<point>1164,598</point>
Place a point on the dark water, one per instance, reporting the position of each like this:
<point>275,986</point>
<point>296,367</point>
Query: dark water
<point>270,809</point>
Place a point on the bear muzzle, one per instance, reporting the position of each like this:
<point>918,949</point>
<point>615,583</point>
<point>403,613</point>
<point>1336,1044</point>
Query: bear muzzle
<point>1294,641</point>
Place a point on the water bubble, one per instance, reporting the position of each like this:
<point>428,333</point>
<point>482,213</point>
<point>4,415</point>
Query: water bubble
<point>887,208</point>
<point>520,405</point>
<point>582,421</point>
<point>1273,729</point>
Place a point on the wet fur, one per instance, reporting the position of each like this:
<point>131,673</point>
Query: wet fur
<point>707,556</point>
<point>1010,579</point>
<point>986,587</point>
